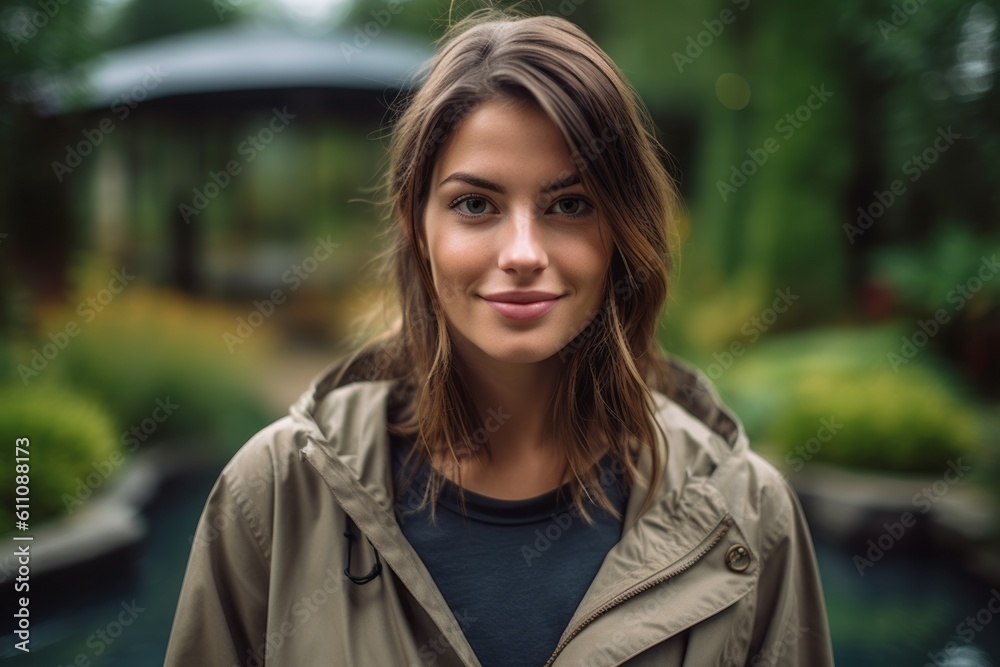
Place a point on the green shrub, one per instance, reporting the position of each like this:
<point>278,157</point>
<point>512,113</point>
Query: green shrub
<point>913,420</point>
<point>151,346</point>
<point>70,437</point>
<point>928,277</point>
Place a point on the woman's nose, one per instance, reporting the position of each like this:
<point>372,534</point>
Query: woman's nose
<point>522,243</point>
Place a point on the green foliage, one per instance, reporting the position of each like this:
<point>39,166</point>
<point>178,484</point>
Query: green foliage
<point>69,434</point>
<point>911,421</point>
<point>150,346</point>
<point>991,476</point>
<point>703,321</point>
<point>141,21</point>
<point>897,79</point>
<point>929,277</point>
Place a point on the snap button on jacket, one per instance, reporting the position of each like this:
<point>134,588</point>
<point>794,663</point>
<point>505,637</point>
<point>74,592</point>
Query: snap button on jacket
<point>720,571</point>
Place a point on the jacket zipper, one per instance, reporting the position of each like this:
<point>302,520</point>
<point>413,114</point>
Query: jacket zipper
<point>713,539</point>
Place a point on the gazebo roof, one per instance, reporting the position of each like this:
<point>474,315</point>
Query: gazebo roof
<point>238,57</point>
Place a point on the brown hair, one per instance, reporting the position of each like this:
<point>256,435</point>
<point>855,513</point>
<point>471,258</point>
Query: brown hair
<point>612,364</point>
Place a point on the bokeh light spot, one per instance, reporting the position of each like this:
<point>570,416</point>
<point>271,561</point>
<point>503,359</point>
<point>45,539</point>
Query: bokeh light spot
<point>733,91</point>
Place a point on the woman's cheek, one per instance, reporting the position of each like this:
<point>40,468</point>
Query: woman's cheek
<point>459,264</point>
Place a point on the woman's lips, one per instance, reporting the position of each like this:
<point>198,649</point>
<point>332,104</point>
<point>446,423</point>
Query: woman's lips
<point>523,311</point>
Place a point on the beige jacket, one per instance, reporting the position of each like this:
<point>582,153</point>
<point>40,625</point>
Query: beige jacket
<point>720,571</point>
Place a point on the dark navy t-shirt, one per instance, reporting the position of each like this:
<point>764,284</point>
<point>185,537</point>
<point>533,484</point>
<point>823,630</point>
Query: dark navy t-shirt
<point>516,570</point>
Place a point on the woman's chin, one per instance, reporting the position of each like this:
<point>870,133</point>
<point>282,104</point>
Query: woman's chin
<point>522,354</point>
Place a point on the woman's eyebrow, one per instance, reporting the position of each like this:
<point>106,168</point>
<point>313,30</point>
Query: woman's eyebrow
<point>474,180</point>
<point>562,183</point>
<point>479,182</point>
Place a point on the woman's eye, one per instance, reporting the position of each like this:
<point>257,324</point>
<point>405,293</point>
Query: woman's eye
<point>473,206</point>
<point>572,206</point>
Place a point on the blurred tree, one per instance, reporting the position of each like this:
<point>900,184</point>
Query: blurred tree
<point>40,38</point>
<point>151,19</point>
<point>899,74</point>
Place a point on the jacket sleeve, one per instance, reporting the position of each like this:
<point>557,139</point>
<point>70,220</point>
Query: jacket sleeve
<point>222,610</point>
<point>790,624</point>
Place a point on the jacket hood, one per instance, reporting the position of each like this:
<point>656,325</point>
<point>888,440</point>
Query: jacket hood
<point>350,418</point>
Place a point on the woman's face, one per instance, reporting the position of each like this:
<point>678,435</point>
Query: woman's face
<point>518,249</point>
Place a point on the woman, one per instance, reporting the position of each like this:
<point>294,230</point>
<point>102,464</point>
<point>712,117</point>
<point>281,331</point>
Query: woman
<point>512,474</point>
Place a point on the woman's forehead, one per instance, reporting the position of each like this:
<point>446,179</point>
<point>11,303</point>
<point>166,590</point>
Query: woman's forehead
<point>506,142</point>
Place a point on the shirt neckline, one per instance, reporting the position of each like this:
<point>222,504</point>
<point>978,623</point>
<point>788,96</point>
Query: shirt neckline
<point>498,511</point>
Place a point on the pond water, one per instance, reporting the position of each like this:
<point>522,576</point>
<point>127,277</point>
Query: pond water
<point>125,617</point>
<point>903,611</point>
<point>908,609</point>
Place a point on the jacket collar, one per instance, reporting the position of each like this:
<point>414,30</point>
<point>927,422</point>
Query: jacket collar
<point>350,421</point>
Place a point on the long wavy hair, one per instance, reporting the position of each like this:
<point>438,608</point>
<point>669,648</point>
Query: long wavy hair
<point>609,368</point>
